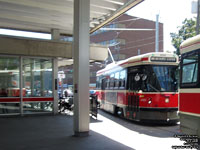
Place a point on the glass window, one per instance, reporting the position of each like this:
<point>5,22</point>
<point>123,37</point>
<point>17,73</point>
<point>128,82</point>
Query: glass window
<point>9,85</point>
<point>122,78</point>
<point>122,74</point>
<point>190,69</point>
<point>107,83</point>
<point>37,75</point>
<point>104,84</point>
<point>117,75</point>
<point>6,108</point>
<point>112,80</point>
<point>97,82</point>
<point>116,79</point>
<point>9,77</point>
<point>153,78</point>
<point>190,59</point>
<point>33,107</point>
<point>165,77</point>
<point>189,73</point>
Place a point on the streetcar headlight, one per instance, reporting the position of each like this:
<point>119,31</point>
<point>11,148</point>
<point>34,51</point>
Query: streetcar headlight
<point>167,100</point>
<point>149,102</point>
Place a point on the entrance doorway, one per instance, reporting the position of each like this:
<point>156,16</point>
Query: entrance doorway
<point>26,85</point>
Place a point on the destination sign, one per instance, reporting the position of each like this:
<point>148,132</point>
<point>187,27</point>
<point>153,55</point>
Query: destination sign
<point>163,59</point>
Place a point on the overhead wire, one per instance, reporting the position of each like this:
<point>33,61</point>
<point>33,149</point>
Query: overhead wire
<point>139,45</point>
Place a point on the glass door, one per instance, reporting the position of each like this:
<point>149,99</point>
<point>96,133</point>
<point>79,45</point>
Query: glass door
<point>133,98</point>
<point>37,84</point>
<point>9,85</point>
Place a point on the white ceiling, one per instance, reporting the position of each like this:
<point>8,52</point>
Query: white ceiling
<point>44,15</point>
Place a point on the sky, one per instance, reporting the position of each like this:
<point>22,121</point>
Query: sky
<point>171,13</point>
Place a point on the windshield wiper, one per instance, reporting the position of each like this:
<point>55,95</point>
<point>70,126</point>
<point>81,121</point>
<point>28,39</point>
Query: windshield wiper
<point>154,88</point>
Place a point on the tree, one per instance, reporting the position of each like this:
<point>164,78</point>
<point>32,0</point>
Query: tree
<point>187,30</point>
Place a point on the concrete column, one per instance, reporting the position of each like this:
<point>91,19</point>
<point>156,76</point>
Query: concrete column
<point>55,34</point>
<point>55,85</point>
<point>81,67</point>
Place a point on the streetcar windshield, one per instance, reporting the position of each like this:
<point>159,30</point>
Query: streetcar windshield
<point>153,78</point>
<point>161,78</point>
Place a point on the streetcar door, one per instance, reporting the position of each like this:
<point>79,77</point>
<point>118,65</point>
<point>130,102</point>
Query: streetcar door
<point>133,98</point>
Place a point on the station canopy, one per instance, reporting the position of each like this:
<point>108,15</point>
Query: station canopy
<point>45,15</point>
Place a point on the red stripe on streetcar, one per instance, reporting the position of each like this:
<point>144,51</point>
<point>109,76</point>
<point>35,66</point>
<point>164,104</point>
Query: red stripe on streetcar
<point>157,100</point>
<point>142,59</point>
<point>189,102</point>
<point>145,59</point>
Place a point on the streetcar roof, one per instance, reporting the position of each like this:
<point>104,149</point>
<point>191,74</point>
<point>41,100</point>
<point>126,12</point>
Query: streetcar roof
<point>144,58</point>
<point>190,44</point>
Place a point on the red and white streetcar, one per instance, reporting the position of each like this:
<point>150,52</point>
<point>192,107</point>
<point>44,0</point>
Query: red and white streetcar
<point>189,104</point>
<point>141,88</point>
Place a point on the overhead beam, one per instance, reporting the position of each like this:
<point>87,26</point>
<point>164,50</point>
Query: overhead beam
<point>126,7</point>
<point>119,2</point>
<point>67,8</point>
<point>35,19</point>
<point>41,5</point>
<point>105,5</point>
<point>33,28</point>
<point>46,48</point>
<point>22,23</point>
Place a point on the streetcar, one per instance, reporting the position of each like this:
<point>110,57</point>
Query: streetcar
<point>189,103</point>
<point>141,88</point>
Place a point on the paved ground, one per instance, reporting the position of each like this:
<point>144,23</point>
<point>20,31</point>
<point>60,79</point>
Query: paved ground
<point>107,132</point>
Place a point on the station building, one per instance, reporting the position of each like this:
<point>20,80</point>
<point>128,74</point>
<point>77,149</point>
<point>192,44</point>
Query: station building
<point>29,68</point>
<point>29,73</point>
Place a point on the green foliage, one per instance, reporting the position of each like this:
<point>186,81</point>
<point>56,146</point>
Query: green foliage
<point>187,30</point>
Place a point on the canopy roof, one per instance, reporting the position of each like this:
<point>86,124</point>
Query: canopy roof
<point>44,15</point>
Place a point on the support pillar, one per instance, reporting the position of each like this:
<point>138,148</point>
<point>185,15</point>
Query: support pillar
<point>55,85</point>
<point>81,67</point>
<point>55,34</point>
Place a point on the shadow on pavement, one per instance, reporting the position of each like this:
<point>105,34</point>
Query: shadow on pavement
<point>50,133</point>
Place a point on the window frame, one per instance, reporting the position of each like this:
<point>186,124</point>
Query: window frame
<point>184,56</point>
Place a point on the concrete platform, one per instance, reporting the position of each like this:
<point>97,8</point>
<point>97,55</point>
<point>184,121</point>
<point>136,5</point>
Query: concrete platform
<point>49,133</point>
<point>106,133</point>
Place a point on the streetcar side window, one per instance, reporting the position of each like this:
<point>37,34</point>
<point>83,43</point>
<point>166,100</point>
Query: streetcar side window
<point>111,85</point>
<point>97,83</point>
<point>116,79</point>
<point>189,70</point>
<point>107,83</point>
<point>103,85</point>
<point>122,79</point>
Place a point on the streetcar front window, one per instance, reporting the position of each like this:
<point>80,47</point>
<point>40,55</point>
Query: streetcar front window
<point>165,77</point>
<point>153,78</point>
<point>159,79</point>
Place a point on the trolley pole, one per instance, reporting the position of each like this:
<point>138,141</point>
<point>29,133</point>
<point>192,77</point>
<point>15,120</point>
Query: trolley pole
<point>157,34</point>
